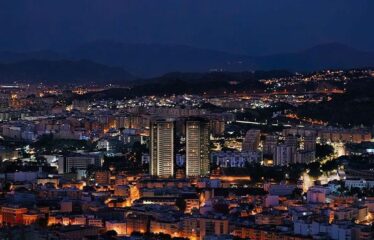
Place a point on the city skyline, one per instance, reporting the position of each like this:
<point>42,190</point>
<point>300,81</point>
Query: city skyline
<point>186,120</point>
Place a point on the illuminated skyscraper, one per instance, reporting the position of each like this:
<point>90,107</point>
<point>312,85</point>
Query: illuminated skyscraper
<point>197,147</point>
<point>162,148</point>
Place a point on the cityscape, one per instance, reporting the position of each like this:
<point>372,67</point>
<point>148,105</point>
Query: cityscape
<point>213,146</point>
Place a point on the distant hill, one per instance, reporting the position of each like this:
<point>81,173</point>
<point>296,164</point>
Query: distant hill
<point>149,60</point>
<point>350,109</point>
<point>214,83</point>
<point>11,57</point>
<point>153,60</point>
<point>61,71</point>
<point>327,56</point>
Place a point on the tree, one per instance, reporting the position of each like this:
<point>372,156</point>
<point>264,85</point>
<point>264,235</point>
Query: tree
<point>314,169</point>
<point>91,169</point>
<point>330,166</point>
<point>181,204</point>
<point>42,222</point>
<point>297,193</point>
<point>6,187</point>
<point>294,171</point>
<point>323,150</point>
<point>111,234</point>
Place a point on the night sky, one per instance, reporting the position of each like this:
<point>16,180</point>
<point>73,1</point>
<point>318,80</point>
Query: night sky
<point>240,26</point>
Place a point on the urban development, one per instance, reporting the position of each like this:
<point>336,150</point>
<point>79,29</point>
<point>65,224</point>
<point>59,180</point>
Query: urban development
<point>256,155</point>
<point>186,120</point>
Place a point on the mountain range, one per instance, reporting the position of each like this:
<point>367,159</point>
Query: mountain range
<point>61,72</point>
<point>120,62</point>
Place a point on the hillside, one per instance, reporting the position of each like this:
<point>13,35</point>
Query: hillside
<point>192,83</point>
<point>62,71</point>
<point>154,60</point>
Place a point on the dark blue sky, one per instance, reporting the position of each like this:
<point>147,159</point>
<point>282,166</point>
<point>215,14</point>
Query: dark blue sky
<point>242,26</point>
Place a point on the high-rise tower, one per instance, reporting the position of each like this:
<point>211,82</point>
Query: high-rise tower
<point>197,147</point>
<point>162,148</point>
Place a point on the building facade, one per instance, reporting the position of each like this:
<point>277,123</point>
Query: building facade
<point>197,148</point>
<point>162,148</point>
